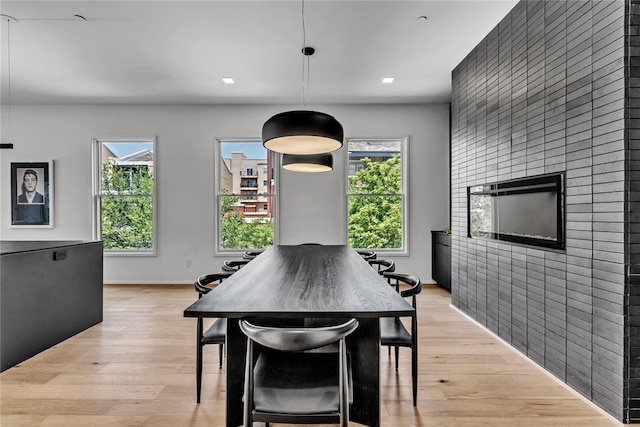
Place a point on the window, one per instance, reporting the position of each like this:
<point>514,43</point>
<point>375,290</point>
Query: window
<point>376,188</point>
<point>124,195</point>
<point>245,195</point>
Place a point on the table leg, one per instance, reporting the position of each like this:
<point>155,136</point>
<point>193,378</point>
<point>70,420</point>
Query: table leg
<point>364,346</point>
<point>236,350</point>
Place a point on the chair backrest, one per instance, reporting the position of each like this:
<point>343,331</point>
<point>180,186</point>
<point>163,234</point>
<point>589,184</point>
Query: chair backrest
<point>414,282</point>
<point>204,281</point>
<point>252,254</point>
<point>367,254</point>
<point>382,265</point>
<point>297,339</point>
<point>235,265</point>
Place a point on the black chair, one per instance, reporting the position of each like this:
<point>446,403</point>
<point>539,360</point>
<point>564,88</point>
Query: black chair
<point>287,384</point>
<point>249,255</point>
<point>393,333</point>
<point>233,266</point>
<point>216,333</point>
<point>367,254</point>
<point>383,265</point>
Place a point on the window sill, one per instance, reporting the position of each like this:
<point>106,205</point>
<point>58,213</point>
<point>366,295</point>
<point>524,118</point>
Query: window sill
<point>127,253</point>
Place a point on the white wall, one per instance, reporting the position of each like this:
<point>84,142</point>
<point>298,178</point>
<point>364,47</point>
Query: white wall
<point>312,207</point>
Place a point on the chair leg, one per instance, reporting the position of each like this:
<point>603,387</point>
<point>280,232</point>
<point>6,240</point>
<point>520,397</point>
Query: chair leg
<point>248,386</point>
<point>343,385</point>
<point>199,360</point>
<point>414,353</point>
<point>397,353</point>
<point>414,372</point>
<point>220,353</point>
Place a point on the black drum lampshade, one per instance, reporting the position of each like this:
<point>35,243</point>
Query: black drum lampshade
<point>308,163</point>
<point>302,132</point>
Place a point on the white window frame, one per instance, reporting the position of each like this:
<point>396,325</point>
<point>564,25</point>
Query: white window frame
<point>217,153</point>
<point>97,196</point>
<point>404,193</point>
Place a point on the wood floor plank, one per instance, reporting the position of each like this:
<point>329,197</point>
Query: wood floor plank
<point>137,369</point>
<point>52,405</point>
<point>23,420</point>
<point>93,421</point>
<point>82,391</point>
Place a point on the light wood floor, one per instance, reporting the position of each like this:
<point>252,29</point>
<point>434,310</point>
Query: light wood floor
<point>137,369</point>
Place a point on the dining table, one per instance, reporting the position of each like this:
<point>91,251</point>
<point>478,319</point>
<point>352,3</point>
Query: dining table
<point>299,283</point>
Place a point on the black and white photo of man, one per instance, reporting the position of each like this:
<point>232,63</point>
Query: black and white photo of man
<point>29,194</point>
<point>32,194</point>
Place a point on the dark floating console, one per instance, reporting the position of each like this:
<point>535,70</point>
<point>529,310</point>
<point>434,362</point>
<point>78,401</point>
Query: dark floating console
<point>49,291</point>
<point>441,258</point>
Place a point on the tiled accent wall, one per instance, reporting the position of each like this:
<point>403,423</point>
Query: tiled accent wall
<point>632,336</point>
<point>545,92</point>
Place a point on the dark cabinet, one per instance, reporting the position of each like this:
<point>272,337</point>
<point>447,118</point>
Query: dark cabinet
<point>441,258</point>
<point>51,290</point>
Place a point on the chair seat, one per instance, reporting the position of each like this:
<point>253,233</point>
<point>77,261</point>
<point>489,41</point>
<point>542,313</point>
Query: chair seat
<point>394,333</point>
<point>315,376</point>
<point>216,333</point>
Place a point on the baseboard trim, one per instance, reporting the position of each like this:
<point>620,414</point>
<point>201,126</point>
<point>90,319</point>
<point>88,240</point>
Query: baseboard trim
<point>147,282</point>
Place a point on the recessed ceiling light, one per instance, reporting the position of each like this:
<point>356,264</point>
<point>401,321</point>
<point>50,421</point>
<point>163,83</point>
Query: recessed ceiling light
<point>228,80</point>
<point>387,80</point>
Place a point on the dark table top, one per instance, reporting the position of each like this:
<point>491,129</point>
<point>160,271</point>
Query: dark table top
<point>17,246</point>
<point>303,281</point>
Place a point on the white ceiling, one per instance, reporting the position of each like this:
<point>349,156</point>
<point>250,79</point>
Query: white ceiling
<point>175,52</point>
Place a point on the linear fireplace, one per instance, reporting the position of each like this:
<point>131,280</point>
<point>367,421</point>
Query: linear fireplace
<point>528,211</point>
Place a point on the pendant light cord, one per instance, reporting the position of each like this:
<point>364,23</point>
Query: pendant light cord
<point>9,79</point>
<point>304,92</point>
<point>307,87</point>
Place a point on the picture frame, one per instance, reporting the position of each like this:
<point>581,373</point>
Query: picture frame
<point>32,194</point>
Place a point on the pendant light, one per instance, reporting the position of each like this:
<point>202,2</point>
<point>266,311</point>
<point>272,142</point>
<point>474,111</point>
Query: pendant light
<point>303,132</point>
<point>7,144</point>
<point>308,163</point>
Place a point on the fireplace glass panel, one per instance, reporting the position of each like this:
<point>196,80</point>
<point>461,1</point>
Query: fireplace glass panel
<point>528,215</point>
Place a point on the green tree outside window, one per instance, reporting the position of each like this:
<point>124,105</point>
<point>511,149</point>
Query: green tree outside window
<point>375,205</point>
<point>127,207</point>
<point>236,232</point>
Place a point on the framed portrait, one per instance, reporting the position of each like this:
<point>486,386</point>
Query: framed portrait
<point>32,194</point>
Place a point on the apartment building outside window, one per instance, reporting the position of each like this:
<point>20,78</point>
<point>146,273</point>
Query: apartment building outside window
<point>376,194</point>
<point>245,195</point>
<point>124,195</point>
